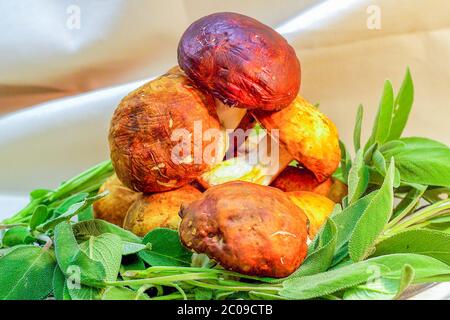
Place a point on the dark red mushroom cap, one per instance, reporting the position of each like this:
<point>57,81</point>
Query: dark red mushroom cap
<point>240,61</point>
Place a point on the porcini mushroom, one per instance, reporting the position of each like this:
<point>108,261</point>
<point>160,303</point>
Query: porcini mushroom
<point>114,206</point>
<point>293,178</point>
<point>245,63</point>
<point>158,210</point>
<point>248,228</point>
<point>241,61</point>
<point>303,134</point>
<point>307,134</point>
<point>250,164</point>
<point>159,134</point>
<point>316,207</point>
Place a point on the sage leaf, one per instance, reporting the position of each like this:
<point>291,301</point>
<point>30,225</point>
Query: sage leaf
<point>119,293</point>
<point>130,242</point>
<point>402,107</point>
<point>373,219</point>
<point>383,120</point>
<point>26,274</point>
<point>86,214</point>
<point>431,243</point>
<point>379,162</point>
<point>131,247</point>
<point>345,164</point>
<point>357,129</point>
<point>76,198</point>
<point>406,279</point>
<point>358,178</point>
<point>40,215</point>
<point>39,193</point>
<point>351,275</point>
<point>17,236</point>
<point>107,249</point>
<point>203,293</point>
<point>381,288</point>
<point>426,165</point>
<point>391,145</point>
<point>59,284</point>
<point>347,219</point>
<point>72,211</point>
<point>83,292</point>
<point>85,229</point>
<point>166,249</point>
<point>74,263</point>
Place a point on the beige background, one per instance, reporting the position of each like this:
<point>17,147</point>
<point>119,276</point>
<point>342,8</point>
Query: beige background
<point>344,63</point>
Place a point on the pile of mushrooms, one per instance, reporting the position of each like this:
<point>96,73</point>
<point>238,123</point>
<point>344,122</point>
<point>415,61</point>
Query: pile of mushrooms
<point>234,73</point>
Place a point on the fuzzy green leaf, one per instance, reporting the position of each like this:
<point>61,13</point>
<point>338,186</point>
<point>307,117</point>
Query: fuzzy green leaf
<point>358,178</point>
<point>26,274</point>
<point>402,107</point>
<point>360,272</point>
<point>431,243</point>
<point>383,120</point>
<point>166,249</point>
<point>357,129</point>
<point>373,220</point>
<point>85,229</point>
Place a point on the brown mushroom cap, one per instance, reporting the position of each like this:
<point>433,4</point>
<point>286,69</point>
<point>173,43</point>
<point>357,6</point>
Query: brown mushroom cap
<point>240,61</point>
<point>113,207</point>
<point>249,228</point>
<point>158,210</point>
<point>316,207</point>
<point>308,135</point>
<point>142,126</point>
<point>301,179</point>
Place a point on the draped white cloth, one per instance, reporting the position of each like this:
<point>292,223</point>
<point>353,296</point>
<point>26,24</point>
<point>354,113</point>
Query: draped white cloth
<point>50,49</point>
<point>347,48</point>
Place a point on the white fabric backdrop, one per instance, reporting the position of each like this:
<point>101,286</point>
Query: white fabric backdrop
<point>43,55</point>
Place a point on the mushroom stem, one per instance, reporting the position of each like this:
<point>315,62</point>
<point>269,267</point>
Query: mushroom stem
<point>229,117</point>
<point>250,165</point>
<point>298,132</point>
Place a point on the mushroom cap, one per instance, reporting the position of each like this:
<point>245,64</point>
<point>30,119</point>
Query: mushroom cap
<point>158,210</point>
<point>308,135</point>
<point>145,154</point>
<point>316,207</point>
<point>301,179</point>
<point>248,228</point>
<point>338,191</point>
<point>240,61</point>
<point>113,207</point>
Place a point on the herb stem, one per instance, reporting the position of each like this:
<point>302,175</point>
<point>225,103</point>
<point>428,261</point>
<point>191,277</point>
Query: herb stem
<point>164,280</point>
<point>414,197</point>
<point>420,216</point>
<point>232,288</point>
<point>87,181</point>
<point>170,269</point>
<point>9,226</point>
<point>174,296</point>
